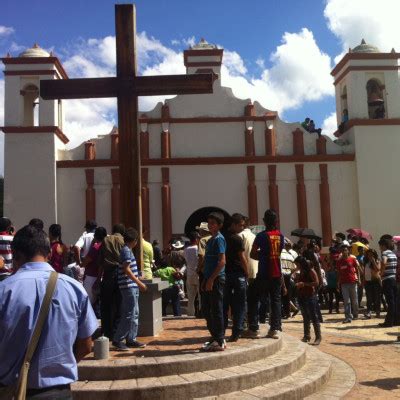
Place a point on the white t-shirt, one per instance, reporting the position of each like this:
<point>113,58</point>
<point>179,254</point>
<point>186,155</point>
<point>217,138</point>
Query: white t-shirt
<point>191,257</point>
<point>84,243</point>
<point>248,238</point>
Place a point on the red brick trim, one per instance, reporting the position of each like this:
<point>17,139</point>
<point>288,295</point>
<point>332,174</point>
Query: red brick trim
<point>321,145</point>
<point>36,129</point>
<point>144,145</point>
<point>252,195</point>
<point>249,143</point>
<point>369,122</point>
<point>273,190</point>
<point>165,145</point>
<point>36,60</point>
<point>298,142</point>
<point>278,159</point>
<point>145,203</point>
<point>115,200</point>
<point>301,197</point>
<point>90,195</point>
<point>214,120</point>
<point>365,68</point>
<point>166,207</point>
<point>363,56</point>
<point>90,150</point>
<point>33,72</point>
<point>270,142</point>
<point>326,220</point>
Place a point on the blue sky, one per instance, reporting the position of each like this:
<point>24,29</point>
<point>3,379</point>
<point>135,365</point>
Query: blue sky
<point>277,52</point>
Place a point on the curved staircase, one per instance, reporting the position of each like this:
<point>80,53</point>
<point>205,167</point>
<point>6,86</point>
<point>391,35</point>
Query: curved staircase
<point>249,369</point>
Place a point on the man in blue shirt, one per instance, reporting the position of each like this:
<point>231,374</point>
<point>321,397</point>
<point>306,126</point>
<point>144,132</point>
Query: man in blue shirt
<point>66,335</point>
<point>214,283</point>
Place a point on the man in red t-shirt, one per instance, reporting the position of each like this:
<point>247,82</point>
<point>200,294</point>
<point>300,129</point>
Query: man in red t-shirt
<point>348,268</point>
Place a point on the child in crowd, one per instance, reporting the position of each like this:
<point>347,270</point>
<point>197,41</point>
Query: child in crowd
<point>214,283</point>
<point>307,284</point>
<point>171,294</point>
<point>129,285</point>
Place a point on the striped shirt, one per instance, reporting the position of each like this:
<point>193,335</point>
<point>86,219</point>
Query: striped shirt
<point>125,281</point>
<point>391,264</point>
<point>5,251</point>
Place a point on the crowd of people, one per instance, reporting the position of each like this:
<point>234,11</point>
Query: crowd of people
<point>232,277</point>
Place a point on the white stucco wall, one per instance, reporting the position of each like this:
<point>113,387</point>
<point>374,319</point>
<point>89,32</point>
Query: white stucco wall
<point>30,178</point>
<point>377,158</point>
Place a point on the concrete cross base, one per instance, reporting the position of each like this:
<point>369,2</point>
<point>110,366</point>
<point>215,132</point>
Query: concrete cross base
<point>150,314</point>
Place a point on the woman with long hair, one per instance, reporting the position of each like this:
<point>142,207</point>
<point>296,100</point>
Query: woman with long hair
<point>307,284</point>
<point>59,251</point>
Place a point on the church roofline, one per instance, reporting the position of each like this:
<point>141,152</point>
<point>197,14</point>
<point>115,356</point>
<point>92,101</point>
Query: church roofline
<point>363,56</point>
<point>36,60</point>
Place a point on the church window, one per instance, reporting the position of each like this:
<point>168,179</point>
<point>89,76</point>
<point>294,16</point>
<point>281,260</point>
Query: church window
<point>31,105</point>
<point>376,101</point>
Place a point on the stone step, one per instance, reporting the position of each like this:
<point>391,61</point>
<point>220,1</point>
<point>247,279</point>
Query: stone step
<point>212,381</point>
<point>304,382</point>
<point>343,378</point>
<point>243,351</point>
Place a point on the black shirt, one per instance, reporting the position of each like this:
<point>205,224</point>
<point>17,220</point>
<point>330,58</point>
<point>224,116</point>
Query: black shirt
<point>234,245</point>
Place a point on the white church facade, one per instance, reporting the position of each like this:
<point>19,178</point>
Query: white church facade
<point>211,150</point>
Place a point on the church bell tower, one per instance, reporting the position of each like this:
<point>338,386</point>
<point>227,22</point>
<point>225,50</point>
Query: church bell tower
<point>33,135</point>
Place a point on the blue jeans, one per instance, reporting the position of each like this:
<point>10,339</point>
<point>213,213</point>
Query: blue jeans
<point>389,289</point>
<point>129,321</point>
<point>213,309</point>
<point>308,307</point>
<point>171,294</point>
<point>350,300</point>
<point>235,297</point>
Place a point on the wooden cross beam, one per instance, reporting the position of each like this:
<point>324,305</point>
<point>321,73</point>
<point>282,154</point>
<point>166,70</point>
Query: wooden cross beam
<point>127,86</point>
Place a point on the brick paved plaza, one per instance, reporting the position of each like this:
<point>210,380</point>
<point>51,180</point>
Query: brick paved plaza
<point>174,361</point>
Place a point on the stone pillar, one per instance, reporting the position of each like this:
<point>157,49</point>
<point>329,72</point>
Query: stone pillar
<point>249,142</point>
<point>144,145</point>
<point>90,151</point>
<point>325,199</point>
<point>114,146</point>
<point>270,142</point>
<point>321,145</point>
<point>165,144</point>
<point>145,203</point>
<point>150,316</point>
<point>301,197</point>
<point>273,191</point>
<point>298,142</point>
<point>166,207</point>
<point>115,215</point>
<point>90,195</point>
<point>252,195</point>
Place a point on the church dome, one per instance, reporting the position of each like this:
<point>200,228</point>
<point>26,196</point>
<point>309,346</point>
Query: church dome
<point>203,45</point>
<point>35,51</point>
<point>365,48</point>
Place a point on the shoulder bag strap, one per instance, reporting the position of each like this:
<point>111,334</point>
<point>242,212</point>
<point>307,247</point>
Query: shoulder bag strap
<point>43,313</point>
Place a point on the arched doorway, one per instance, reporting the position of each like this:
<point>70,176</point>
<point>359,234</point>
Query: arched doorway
<point>200,216</point>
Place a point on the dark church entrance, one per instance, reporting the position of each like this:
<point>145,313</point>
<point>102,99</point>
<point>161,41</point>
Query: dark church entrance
<point>200,216</point>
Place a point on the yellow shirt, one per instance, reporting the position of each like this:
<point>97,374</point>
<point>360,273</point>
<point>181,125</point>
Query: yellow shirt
<point>147,260</point>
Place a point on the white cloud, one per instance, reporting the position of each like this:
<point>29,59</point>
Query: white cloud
<point>329,125</point>
<point>6,30</point>
<point>300,72</point>
<point>288,83</point>
<point>376,22</point>
<point>260,62</point>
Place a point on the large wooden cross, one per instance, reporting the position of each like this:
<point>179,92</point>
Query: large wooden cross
<point>127,86</point>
